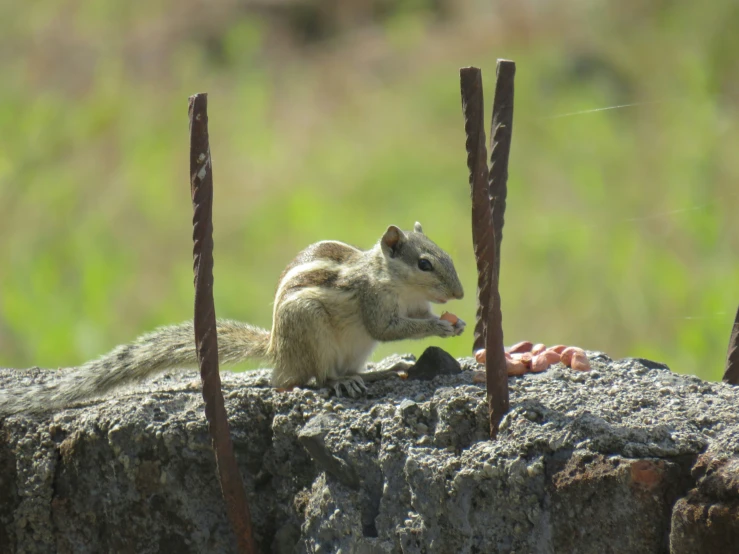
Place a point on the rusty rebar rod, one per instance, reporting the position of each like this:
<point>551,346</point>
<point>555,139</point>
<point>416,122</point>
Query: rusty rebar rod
<point>500,147</point>
<point>501,130</point>
<point>483,240</point>
<point>489,321</point>
<point>731,373</point>
<point>206,339</point>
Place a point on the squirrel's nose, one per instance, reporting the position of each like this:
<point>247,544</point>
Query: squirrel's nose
<point>458,294</point>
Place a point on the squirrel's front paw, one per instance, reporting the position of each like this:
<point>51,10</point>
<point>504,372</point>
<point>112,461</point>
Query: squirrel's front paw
<point>459,327</point>
<point>442,328</point>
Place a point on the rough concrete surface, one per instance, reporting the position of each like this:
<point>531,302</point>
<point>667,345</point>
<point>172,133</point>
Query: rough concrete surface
<point>626,458</point>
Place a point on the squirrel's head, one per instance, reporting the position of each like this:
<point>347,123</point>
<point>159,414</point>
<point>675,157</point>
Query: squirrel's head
<point>416,261</point>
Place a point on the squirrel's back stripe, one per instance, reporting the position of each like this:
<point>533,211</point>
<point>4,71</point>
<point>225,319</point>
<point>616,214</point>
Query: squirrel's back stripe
<point>318,273</point>
<point>327,250</point>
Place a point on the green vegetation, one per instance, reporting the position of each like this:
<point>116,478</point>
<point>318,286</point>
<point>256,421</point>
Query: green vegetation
<point>621,231</point>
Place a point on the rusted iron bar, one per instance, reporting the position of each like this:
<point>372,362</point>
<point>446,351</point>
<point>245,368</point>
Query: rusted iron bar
<point>496,372</point>
<point>731,373</point>
<point>501,128</point>
<point>483,240</point>
<point>500,147</point>
<point>206,340</point>
<point>488,326</point>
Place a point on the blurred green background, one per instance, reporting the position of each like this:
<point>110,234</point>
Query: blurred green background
<point>333,119</point>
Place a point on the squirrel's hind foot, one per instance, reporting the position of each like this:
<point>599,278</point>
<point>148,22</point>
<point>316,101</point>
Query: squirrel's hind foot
<point>354,386</point>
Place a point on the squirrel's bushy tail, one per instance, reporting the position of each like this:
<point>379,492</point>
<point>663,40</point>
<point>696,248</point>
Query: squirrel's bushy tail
<point>165,348</point>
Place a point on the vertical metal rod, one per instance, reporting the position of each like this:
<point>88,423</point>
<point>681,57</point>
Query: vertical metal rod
<point>206,339</point>
<point>731,373</point>
<point>501,130</point>
<point>482,233</point>
<point>488,326</point>
<point>500,147</point>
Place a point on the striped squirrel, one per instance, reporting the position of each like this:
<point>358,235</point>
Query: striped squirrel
<point>333,304</point>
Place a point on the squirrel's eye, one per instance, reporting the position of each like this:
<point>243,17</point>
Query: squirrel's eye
<point>424,265</point>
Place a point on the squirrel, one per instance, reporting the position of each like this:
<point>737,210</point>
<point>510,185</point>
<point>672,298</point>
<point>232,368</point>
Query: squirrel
<point>333,304</point>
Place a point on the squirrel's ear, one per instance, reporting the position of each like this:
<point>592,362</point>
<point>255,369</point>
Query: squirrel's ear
<point>392,239</point>
<point>417,228</point>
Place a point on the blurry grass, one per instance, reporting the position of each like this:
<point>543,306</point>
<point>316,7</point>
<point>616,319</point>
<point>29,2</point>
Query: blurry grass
<point>621,233</point>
